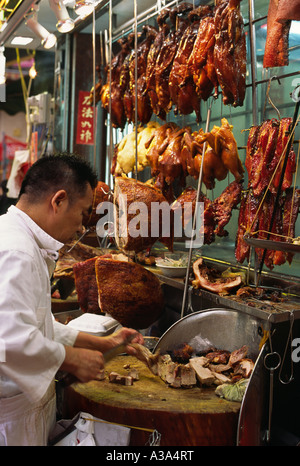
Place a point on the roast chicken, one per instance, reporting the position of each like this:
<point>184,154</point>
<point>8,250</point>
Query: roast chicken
<point>124,160</point>
<point>221,155</point>
<point>173,153</point>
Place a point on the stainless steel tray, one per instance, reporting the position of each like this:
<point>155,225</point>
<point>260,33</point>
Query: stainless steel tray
<point>222,328</point>
<point>274,245</point>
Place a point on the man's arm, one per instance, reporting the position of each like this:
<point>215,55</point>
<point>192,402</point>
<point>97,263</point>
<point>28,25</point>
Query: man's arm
<point>85,359</point>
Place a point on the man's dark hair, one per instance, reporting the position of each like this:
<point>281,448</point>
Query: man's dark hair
<point>54,172</point>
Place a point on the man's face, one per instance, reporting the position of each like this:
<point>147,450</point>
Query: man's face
<point>70,218</point>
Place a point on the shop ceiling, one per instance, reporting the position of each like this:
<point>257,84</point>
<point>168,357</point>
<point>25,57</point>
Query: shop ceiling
<point>13,13</point>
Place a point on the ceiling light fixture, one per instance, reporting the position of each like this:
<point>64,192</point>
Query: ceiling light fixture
<point>84,8</point>
<point>18,40</point>
<point>64,22</point>
<point>48,40</point>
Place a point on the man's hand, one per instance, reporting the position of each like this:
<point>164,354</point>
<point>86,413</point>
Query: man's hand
<point>85,364</point>
<point>122,335</point>
<point>85,359</point>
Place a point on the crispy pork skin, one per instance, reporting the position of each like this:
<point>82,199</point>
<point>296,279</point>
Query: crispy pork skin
<point>129,192</point>
<point>86,286</point>
<point>101,194</point>
<point>128,292</point>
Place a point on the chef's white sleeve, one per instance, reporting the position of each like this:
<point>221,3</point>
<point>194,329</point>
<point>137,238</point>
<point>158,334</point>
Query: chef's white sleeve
<point>28,357</point>
<point>64,334</point>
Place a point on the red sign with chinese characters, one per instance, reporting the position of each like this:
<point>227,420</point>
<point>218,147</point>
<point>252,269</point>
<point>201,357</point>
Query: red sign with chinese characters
<point>85,120</point>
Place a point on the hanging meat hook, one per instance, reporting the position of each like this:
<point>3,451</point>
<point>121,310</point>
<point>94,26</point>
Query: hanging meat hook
<point>289,339</point>
<point>269,98</point>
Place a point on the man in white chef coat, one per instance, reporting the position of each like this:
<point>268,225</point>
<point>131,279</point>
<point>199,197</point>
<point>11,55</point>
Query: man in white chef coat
<point>55,195</point>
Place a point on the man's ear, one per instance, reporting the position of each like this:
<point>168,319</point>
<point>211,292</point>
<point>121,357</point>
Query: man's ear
<point>58,199</point>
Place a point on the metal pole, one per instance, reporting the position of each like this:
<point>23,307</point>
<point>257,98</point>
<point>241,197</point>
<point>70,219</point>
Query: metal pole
<point>252,38</point>
<point>109,63</point>
<point>135,88</point>
<point>186,283</point>
<point>94,85</point>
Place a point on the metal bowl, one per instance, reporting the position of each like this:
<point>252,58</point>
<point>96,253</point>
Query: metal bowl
<point>170,271</point>
<point>220,328</point>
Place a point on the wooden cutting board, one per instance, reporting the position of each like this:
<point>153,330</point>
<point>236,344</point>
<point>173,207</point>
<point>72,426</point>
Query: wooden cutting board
<point>182,416</point>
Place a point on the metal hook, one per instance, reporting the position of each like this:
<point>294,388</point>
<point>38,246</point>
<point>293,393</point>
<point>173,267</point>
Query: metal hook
<point>292,318</point>
<point>79,239</point>
<point>269,98</point>
<point>190,305</point>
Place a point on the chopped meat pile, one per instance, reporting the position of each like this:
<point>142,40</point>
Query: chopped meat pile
<point>212,368</point>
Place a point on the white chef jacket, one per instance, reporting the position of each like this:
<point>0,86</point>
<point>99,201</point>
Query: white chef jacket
<point>31,341</point>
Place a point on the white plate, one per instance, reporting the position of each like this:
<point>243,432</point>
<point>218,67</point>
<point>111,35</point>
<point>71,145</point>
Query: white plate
<point>170,271</point>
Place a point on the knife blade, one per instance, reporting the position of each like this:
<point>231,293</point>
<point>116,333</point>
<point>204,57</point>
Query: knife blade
<point>119,349</point>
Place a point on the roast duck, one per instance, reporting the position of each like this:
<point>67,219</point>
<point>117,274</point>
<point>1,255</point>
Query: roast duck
<point>181,62</point>
<point>173,153</point>
<point>264,163</point>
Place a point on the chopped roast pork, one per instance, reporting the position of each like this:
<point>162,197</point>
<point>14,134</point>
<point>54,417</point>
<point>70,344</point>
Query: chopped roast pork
<point>211,280</point>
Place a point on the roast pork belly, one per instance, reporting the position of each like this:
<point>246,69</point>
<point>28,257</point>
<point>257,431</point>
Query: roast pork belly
<point>138,229</point>
<point>101,194</point>
<point>128,292</point>
<point>86,286</point>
